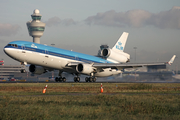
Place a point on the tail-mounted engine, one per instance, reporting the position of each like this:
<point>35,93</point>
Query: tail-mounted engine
<point>36,69</point>
<point>84,68</point>
<point>113,56</point>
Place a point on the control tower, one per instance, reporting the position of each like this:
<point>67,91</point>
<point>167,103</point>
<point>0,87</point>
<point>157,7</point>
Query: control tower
<point>35,26</point>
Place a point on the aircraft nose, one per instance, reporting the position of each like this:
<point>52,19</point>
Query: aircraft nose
<point>6,50</point>
<point>10,52</point>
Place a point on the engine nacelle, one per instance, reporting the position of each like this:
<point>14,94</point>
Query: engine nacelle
<point>84,68</point>
<point>114,56</point>
<point>36,69</point>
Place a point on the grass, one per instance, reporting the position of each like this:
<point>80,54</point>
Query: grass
<point>84,101</point>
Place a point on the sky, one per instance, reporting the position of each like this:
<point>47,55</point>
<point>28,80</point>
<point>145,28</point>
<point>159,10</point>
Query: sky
<point>84,25</point>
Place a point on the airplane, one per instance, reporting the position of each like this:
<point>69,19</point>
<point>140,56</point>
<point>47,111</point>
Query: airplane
<point>43,58</point>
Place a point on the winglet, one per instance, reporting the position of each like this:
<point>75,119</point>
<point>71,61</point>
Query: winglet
<point>172,60</point>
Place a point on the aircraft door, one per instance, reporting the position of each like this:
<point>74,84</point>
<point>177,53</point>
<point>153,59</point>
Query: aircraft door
<point>23,49</point>
<point>46,60</point>
<point>22,55</point>
<point>76,58</point>
<point>46,53</point>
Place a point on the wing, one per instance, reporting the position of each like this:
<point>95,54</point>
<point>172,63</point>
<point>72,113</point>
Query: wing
<point>108,69</point>
<point>125,65</point>
<point>130,65</point>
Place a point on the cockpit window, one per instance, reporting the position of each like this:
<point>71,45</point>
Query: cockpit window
<point>14,45</point>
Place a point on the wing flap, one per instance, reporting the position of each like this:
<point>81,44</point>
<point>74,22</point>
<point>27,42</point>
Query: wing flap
<point>125,65</point>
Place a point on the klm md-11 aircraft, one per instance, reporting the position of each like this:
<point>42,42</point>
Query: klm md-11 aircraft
<point>43,58</point>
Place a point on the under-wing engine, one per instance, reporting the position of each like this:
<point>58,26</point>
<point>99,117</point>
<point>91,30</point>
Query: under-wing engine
<point>84,68</point>
<point>113,56</point>
<point>36,69</point>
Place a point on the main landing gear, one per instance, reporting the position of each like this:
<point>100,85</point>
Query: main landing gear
<point>77,79</point>
<point>90,79</point>
<point>60,78</point>
<point>87,79</point>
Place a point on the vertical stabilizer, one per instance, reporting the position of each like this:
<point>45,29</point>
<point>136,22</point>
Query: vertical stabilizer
<point>172,60</point>
<point>120,44</point>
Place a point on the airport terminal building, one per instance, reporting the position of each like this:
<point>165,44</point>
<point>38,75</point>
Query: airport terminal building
<point>10,71</point>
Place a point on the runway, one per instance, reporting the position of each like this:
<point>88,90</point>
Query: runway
<point>98,81</point>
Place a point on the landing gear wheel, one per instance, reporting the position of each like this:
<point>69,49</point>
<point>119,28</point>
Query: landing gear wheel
<point>64,79</point>
<point>56,79</point>
<point>86,79</point>
<point>94,79</point>
<point>76,79</point>
<point>23,71</point>
<point>60,79</point>
<point>90,79</point>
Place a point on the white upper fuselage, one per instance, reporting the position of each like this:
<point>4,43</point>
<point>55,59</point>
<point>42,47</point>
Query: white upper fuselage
<point>51,57</point>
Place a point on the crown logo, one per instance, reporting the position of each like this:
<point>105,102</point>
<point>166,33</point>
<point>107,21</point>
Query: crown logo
<point>119,46</point>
